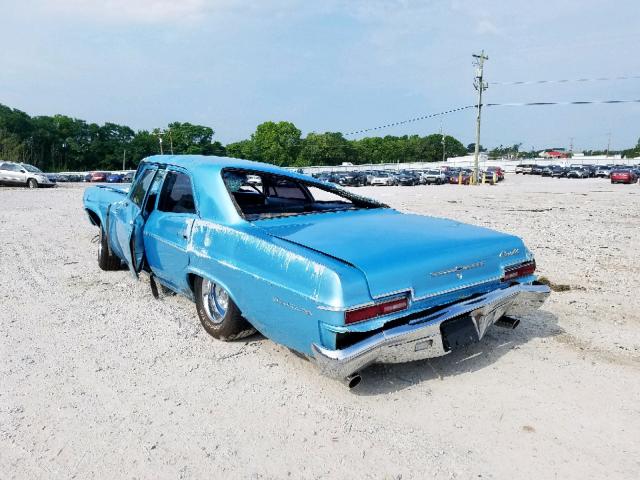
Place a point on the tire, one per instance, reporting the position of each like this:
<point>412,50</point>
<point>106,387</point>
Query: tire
<point>106,260</point>
<point>32,183</point>
<point>218,313</point>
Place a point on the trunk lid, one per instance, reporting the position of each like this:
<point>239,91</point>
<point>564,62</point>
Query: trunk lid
<point>398,251</point>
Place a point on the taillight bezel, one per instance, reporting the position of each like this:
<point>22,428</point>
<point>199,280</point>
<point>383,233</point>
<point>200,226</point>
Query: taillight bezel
<point>520,270</point>
<point>376,310</point>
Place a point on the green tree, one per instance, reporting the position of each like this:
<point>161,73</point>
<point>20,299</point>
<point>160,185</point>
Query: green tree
<point>191,139</point>
<point>329,148</point>
<point>243,149</point>
<point>276,143</point>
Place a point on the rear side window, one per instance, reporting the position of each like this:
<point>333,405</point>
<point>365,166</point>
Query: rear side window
<point>177,194</point>
<point>11,167</point>
<point>141,187</point>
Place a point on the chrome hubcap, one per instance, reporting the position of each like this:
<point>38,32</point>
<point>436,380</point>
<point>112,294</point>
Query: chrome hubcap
<point>215,300</point>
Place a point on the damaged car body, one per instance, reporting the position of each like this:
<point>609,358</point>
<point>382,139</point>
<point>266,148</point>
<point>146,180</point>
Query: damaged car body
<point>344,280</point>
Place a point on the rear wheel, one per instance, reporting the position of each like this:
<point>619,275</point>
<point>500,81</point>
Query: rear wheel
<point>31,183</point>
<point>106,260</point>
<point>218,313</point>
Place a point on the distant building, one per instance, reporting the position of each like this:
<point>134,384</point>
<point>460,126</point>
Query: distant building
<point>554,153</point>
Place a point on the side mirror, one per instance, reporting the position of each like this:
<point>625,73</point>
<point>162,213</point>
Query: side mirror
<point>22,170</point>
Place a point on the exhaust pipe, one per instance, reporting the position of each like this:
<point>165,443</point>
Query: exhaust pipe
<point>352,380</point>
<point>507,322</point>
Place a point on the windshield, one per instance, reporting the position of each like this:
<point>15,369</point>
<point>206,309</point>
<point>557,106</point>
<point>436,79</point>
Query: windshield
<point>31,168</point>
<point>279,196</point>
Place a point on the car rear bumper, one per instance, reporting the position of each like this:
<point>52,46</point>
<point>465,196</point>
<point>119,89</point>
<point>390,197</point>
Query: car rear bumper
<point>427,337</point>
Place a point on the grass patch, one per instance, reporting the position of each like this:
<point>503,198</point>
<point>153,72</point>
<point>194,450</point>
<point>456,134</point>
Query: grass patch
<point>556,287</point>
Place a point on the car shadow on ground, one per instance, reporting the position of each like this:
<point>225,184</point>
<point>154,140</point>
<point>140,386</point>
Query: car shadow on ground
<point>388,378</point>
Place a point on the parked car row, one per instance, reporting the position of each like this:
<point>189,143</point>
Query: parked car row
<point>617,173</point>
<point>435,176</point>
<point>108,177</point>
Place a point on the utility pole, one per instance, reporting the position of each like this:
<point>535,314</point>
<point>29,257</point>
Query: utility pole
<point>124,158</point>
<point>171,141</point>
<point>608,145</point>
<point>480,85</point>
<point>570,147</point>
<point>160,140</point>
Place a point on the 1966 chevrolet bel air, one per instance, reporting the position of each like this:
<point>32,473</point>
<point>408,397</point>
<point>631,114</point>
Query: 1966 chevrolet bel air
<point>344,280</point>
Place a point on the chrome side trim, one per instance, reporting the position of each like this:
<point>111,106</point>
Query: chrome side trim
<point>421,338</point>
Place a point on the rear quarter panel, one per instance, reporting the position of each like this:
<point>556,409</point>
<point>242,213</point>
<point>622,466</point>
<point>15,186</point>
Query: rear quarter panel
<point>277,286</point>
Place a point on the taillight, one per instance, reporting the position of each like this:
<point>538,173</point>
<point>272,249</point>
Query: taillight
<point>377,310</point>
<point>521,270</point>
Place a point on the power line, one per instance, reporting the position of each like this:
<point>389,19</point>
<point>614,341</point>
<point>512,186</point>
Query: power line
<point>513,104</point>
<point>575,102</point>
<point>411,120</point>
<point>569,80</point>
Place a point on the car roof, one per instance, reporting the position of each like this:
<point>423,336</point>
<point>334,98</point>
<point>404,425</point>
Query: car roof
<point>197,163</point>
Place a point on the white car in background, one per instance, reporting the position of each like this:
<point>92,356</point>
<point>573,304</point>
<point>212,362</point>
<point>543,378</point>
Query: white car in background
<point>383,178</point>
<point>433,177</point>
<point>25,175</point>
<point>603,171</point>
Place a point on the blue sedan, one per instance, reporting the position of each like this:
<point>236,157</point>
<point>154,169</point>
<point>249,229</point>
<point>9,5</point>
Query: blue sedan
<point>339,278</point>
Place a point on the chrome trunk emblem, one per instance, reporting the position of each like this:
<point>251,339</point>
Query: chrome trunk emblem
<point>509,253</point>
<point>457,269</point>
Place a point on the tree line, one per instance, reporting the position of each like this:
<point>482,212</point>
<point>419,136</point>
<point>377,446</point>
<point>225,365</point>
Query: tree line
<point>61,143</point>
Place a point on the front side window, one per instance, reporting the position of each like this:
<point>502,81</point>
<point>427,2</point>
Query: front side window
<point>177,194</point>
<point>278,196</point>
<point>142,185</point>
<point>31,168</point>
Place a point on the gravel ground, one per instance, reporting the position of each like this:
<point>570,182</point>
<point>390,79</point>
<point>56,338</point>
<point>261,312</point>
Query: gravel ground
<point>99,380</point>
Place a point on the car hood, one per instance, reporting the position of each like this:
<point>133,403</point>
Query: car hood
<point>399,252</point>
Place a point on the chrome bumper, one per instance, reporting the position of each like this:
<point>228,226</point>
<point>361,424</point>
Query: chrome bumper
<point>422,338</point>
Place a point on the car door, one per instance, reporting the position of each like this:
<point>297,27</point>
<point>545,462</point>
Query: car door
<point>126,220</point>
<point>168,229</point>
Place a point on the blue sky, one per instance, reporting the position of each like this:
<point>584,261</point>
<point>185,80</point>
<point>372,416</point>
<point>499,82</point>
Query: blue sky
<point>326,65</point>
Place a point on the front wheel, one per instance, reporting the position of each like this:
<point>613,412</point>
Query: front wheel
<point>106,260</point>
<point>218,313</point>
<point>31,183</point>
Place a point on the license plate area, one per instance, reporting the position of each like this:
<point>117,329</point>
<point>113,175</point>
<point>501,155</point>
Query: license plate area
<point>458,333</point>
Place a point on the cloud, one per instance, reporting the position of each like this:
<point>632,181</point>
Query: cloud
<point>132,11</point>
<point>175,12</point>
<point>486,26</point>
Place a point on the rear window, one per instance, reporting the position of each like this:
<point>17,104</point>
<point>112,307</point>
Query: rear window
<point>278,196</point>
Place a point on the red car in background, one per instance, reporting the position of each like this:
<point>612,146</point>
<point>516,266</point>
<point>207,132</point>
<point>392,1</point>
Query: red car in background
<point>98,176</point>
<point>498,172</point>
<point>623,176</point>
<point>454,178</point>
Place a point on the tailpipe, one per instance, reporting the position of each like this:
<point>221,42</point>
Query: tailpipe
<point>507,322</point>
<point>352,380</point>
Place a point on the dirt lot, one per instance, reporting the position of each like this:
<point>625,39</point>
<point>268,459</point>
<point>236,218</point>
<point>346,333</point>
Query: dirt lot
<point>99,380</point>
